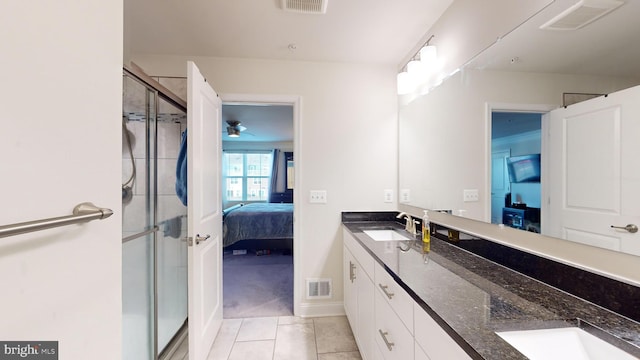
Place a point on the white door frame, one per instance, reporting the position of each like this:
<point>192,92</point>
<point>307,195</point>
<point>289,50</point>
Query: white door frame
<point>296,102</point>
<point>513,107</point>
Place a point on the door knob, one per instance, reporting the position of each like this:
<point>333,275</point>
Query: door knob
<point>200,239</point>
<point>632,228</point>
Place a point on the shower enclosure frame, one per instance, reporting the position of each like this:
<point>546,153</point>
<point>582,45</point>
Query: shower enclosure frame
<point>160,92</point>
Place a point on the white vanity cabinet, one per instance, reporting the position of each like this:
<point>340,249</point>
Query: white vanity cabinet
<point>359,294</point>
<point>393,338</point>
<point>399,300</point>
<point>419,353</point>
<point>386,322</point>
<point>433,340</point>
<point>394,317</point>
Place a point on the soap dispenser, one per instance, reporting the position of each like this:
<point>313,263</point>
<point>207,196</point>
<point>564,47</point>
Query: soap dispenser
<point>426,233</point>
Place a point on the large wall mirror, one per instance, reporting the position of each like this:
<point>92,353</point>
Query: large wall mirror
<point>464,136</point>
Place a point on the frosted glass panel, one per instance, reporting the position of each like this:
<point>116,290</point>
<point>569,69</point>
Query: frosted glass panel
<point>172,223</point>
<point>137,299</point>
<point>138,107</point>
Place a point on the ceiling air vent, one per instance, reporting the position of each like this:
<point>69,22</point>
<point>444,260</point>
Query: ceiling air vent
<point>305,6</point>
<point>581,14</point>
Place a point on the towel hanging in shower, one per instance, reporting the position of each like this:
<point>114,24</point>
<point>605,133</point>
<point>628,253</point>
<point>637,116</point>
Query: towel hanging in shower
<point>181,170</point>
<point>173,227</point>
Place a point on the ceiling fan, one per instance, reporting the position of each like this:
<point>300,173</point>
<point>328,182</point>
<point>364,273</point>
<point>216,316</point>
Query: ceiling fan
<point>234,128</point>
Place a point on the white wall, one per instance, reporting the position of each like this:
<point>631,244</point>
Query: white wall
<point>61,71</point>
<point>347,145</point>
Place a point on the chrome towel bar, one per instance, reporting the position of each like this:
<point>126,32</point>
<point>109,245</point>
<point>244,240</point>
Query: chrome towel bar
<point>81,213</point>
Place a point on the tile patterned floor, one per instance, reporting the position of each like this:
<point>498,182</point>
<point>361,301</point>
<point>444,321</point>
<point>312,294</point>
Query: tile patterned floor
<point>282,338</point>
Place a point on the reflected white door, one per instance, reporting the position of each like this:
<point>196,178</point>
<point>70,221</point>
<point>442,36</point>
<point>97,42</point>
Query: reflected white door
<point>499,184</point>
<point>594,172</point>
<point>205,215</point>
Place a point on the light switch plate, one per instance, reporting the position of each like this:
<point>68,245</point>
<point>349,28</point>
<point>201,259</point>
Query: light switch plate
<point>405,196</point>
<point>470,195</point>
<point>318,196</point>
<point>388,195</point>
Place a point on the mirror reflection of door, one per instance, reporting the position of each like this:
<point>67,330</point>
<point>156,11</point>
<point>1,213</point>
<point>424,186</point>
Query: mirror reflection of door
<point>595,147</point>
<point>513,134</point>
<point>499,184</point>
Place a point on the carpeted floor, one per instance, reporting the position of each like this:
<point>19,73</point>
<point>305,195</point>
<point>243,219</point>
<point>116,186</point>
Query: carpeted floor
<point>257,286</point>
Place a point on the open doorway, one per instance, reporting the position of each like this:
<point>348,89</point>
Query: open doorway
<point>516,147</point>
<point>258,184</point>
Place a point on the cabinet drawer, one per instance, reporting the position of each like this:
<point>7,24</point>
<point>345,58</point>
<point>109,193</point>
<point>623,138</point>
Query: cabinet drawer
<point>392,337</point>
<point>359,253</point>
<point>377,354</point>
<point>394,295</point>
<point>435,342</point>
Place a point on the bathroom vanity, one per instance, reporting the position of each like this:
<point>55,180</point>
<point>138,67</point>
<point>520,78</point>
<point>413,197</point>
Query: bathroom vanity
<point>450,303</point>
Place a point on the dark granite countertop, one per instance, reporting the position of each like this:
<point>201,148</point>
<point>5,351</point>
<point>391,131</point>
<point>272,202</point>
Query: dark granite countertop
<point>472,298</point>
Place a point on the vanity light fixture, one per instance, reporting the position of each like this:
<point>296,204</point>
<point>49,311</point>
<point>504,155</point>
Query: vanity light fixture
<point>419,69</point>
<point>405,83</point>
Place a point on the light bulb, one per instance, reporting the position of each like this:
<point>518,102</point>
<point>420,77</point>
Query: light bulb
<point>428,56</point>
<point>405,83</point>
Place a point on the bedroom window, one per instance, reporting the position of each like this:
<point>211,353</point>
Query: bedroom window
<point>247,175</point>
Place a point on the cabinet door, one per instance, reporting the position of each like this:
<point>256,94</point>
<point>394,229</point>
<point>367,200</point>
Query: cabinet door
<point>361,255</point>
<point>366,321</point>
<point>420,354</point>
<point>350,289</point>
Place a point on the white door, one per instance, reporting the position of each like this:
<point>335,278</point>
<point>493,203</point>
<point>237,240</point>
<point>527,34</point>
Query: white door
<point>499,184</point>
<point>593,171</point>
<point>205,215</point>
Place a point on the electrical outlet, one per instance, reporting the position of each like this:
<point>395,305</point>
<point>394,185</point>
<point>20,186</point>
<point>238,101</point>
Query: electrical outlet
<point>470,195</point>
<point>388,195</point>
<point>318,197</point>
<point>405,196</point>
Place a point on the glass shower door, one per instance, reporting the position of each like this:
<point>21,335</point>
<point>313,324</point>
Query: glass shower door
<point>138,313</point>
<point>172,223</point>
<point>154,259</point>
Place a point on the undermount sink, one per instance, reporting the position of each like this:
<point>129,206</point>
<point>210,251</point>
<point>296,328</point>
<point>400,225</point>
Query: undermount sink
<point>386,235</point>
<point>562,343</point>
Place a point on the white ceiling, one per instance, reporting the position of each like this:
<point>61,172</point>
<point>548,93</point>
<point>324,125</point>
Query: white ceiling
<point>609,46</point>
<point>263,123</point>
<point>378,31</point>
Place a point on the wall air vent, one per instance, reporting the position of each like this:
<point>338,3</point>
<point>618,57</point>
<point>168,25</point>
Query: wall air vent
<point>319,289</point>
<point>581,14</point>
<point>305,6</point>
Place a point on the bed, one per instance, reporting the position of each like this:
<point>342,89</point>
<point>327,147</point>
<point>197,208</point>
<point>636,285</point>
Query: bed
<point>258,226</point>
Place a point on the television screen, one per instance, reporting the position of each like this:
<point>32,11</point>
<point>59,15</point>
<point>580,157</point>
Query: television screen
<point>525,168</point>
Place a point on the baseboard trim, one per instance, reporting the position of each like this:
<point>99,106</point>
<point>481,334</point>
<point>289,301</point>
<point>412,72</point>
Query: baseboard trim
<point>321,309</point>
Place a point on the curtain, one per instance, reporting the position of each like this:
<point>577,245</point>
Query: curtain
<point>274,172</point>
